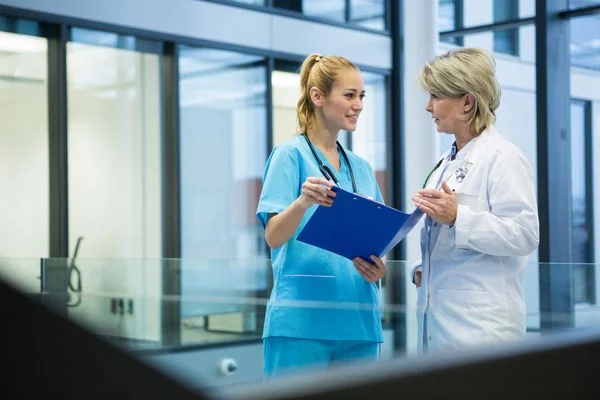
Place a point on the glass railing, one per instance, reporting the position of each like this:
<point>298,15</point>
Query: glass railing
<point>201,321</point>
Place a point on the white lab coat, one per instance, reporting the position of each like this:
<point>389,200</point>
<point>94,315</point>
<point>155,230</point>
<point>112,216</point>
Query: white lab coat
<point>472,273</point>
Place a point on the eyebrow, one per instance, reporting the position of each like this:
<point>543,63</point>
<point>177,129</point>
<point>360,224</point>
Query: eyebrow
<point>354,90</point>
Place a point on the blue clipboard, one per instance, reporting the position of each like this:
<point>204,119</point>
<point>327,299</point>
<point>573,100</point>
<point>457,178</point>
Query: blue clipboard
<point>356,226</point>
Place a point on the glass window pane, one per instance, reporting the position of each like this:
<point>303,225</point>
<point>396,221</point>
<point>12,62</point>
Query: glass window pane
<point>370,138</point>
<point>286,91</point>
<point>24,146</point>
<point>223,152</point>
<point>329,9</point>
<point>573,4</point>
<point>487,12</point>
<point>114,150</point>
<point>506,41</point>
<point>252,2</point>
<point>585,42</point>
<point>582,216</point>
<point>368,13</point>
<point>449,19</point>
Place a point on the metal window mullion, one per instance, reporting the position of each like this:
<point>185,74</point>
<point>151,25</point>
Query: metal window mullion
<point>171,197</point>
<point>589,201</point>
<point>57,141</point>
<point>554,166</point>
<point>348,11</point>
<point>395,280</point>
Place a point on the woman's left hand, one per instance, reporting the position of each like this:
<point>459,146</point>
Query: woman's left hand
<point>371,271</point>
<point>441,206</point>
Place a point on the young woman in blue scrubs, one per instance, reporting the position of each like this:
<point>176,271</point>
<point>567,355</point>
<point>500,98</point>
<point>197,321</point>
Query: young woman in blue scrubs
<point>323,308</point>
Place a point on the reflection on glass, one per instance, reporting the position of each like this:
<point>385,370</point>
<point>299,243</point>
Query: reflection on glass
<point>368,13</point>
<point>23,145</point>
<point>585,42</point>
<point>582,212</point>
<point>114,150</point>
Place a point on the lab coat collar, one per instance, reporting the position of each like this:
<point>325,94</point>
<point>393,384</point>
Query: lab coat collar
<point>473,155</point>
<point>480,147</point>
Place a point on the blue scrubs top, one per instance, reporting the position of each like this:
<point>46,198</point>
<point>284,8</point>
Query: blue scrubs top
<point>316,294</point>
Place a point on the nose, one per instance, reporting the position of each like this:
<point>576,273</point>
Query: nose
<point>358,105</point>
<point>429,105</point>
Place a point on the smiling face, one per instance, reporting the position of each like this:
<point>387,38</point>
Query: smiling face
<point>447,113</point>
<point>342,106</point>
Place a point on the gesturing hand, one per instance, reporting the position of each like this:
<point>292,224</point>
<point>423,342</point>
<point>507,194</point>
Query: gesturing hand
<point>441,206</point>
<point>371,271</point>
<point>316,191</point>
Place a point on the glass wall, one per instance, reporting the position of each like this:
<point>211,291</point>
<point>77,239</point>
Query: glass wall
<point>223,152</point>
<point>582,201</point>
<point>23,141</point>
<point>450,18</point>
<point>585,111</point>
<point>369,14</point>
<point>457,14</point>
<point>285,81</point>
<point>574,4</point>
<point>370,138</point>
<point>585,39</point>
<point>506,41</point>
<point>114,146</point>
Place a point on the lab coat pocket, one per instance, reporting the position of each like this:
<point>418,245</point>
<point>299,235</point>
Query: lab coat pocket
<point>473,201</point>
<point>463,302</point>
<point>309,287</point>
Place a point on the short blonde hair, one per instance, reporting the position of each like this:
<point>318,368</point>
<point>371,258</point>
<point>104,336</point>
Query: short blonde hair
<point>465,71</point>
<point>320,72</point>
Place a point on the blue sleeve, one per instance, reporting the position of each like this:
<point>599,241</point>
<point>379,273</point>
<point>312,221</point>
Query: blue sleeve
<point>281,183</point>
<point>378,195</point>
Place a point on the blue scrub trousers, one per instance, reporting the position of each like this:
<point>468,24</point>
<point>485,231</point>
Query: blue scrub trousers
<point>285,354</point>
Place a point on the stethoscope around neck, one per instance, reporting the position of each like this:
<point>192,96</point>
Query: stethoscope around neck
<point>448,158</point>
<point>325,170</point>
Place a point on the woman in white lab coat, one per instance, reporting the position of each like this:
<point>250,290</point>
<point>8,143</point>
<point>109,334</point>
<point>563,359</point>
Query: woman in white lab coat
<point>481,215</point>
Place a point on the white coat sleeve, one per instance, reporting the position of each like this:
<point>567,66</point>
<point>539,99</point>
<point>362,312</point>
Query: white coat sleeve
<point>511,227</point>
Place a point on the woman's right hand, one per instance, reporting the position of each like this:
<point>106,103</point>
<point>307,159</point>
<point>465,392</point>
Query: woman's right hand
<point>316,191</point>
